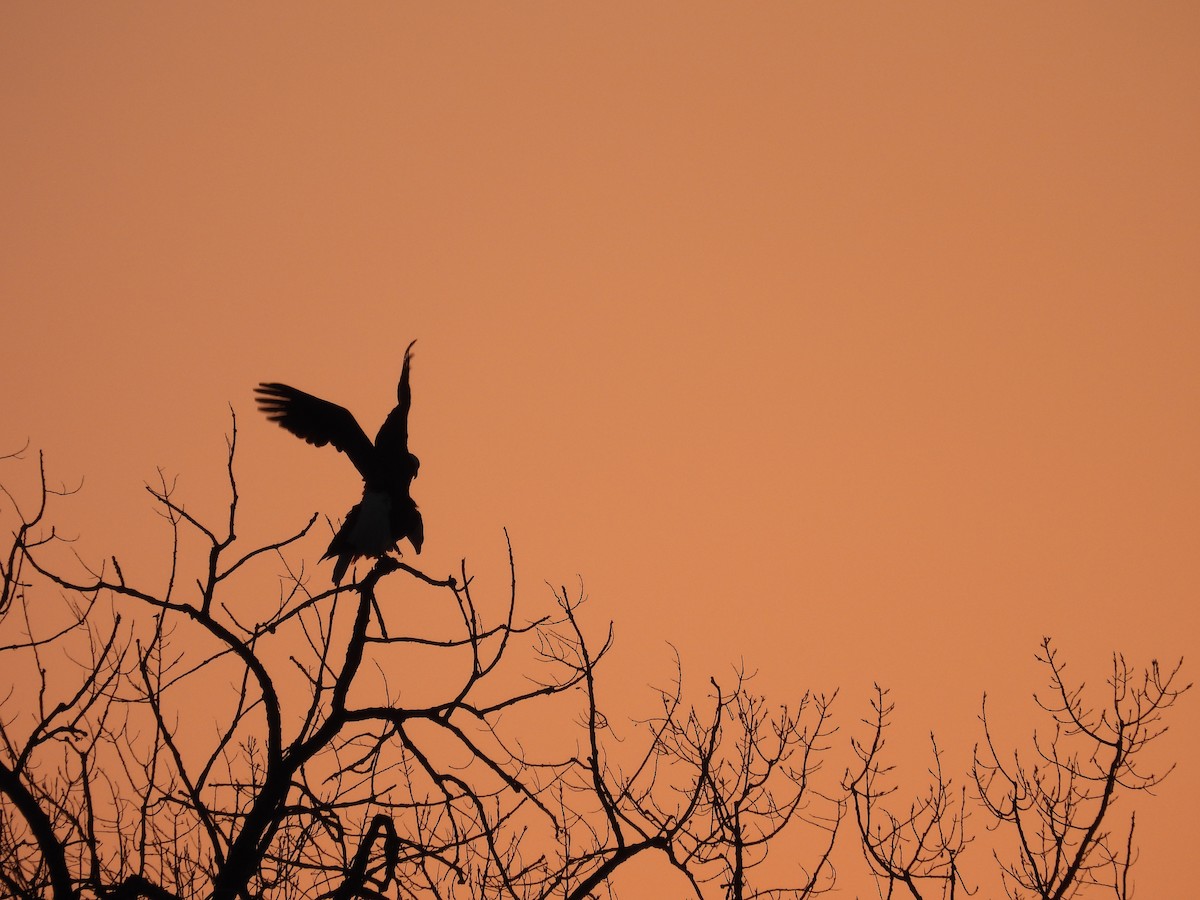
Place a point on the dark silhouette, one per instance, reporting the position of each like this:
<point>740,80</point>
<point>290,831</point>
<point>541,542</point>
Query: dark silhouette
<point>386,514</point>
<point>330,760</point>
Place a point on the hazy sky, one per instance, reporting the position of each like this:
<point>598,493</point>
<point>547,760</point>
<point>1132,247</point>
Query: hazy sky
<point>857,341</point>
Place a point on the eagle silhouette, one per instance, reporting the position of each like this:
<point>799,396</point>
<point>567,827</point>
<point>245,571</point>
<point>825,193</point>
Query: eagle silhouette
<point>386,514</point>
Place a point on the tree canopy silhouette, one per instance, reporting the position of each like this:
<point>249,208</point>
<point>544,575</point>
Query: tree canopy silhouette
<point>240,731</point>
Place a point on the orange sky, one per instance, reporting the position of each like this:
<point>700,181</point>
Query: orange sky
<point>857,341</point>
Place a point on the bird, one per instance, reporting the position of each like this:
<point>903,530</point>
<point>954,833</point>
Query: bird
<point>387,513</point>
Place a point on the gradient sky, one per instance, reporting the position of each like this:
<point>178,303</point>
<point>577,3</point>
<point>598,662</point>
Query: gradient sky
<point>857,341</point>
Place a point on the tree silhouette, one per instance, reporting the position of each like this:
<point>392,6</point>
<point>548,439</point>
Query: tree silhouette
<point>242,729</point>
<point>1058,805</point>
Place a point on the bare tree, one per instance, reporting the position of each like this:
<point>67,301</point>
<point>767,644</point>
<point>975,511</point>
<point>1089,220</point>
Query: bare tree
<point>226,733</point>
<point>1052,817</point>
<point>241,729</point>
<point>1059,806</point>
<point>710,790</point>
<point>917,850</point>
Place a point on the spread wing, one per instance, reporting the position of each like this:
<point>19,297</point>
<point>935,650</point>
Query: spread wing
<point>392,440</point>
<point>317,421</point>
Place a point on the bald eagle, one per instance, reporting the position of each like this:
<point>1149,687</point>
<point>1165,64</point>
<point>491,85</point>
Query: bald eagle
<point>386,514</point>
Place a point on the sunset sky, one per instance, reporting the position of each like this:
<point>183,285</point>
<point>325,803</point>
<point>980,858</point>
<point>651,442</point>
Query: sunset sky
<point>854,341</point>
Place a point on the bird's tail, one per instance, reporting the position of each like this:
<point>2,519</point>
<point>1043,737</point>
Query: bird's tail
<point>341,548</point>
<point>366,532</point>
<point>340,567</point>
